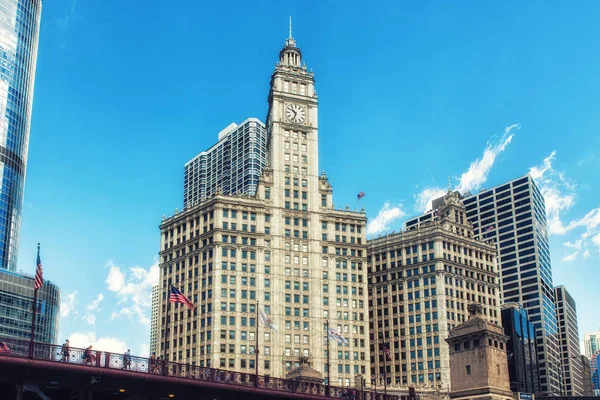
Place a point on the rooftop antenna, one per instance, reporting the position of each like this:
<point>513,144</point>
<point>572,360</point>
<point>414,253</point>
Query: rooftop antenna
<point>449,185</point>
<point>290,26</point>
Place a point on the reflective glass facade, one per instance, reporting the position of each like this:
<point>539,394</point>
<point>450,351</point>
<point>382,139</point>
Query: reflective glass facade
<point>16,299</point>
<point>521,349</point>
<point>19,32</point>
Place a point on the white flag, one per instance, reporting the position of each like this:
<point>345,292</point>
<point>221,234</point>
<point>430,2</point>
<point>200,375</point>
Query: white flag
<point>336,336</point>
<point>264,319</point>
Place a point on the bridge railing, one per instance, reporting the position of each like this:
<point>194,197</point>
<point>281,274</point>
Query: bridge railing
<point>104,359</point>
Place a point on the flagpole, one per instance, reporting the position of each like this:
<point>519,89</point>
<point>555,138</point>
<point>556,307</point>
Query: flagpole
<point>328,363</point>
<point>256,346</point>
<point>164,361</point>
<point>34,310</point>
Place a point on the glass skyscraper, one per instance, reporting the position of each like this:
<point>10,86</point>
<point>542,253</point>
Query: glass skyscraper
<point>16,300</point>
<point>19,32</point>
<point>521,350</point>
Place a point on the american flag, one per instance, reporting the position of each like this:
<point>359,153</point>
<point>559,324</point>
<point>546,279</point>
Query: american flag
<point>388,355</point>
<point>175,296</point>
<point>39,279</point>
<point>360,196</point>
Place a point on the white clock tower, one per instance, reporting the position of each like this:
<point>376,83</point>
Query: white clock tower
<point>320,281</point>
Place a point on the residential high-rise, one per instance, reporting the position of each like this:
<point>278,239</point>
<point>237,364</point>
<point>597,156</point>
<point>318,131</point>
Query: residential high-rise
<point>284,250</point>
<point>154,318</point>
<point>513,215</point>
<point>591,343</point>
<point>231,166</point>
<point>420,284</point>
<point>523,366</point>
<point>566,315</point>
<point>19,30</point>
<point>16,299</point>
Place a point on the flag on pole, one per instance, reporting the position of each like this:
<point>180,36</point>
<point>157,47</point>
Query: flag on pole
<point>388,355</point>
<point>337,337</point>
<point>266,321</point>
<point>175,296</point>
<point>360,196</point>
<point>39,279</point>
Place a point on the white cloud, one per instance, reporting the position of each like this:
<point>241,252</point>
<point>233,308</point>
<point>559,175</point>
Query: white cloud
<point>479,169</point>
<point>144,350</point>
<point>426,196</point>
<point>560,196</point>
<point>115,278</point>
<point>475,176</point>
<point>596,240</point>
<point>90,316</point>
<point>84,339</point>
<point>94,304</point>
<point>570,257</point>
<point>67,304</point>
<point>386,216</point>
<point>135,291</point>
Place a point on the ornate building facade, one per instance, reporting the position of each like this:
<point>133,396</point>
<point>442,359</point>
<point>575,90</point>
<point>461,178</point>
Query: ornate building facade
<point>284,251</point>
<point>420,283</point>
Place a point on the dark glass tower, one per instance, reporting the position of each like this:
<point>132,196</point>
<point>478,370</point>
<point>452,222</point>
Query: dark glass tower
<point>19,32</point>
<point>521,348</point>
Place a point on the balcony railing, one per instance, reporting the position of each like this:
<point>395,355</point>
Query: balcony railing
<point>142,365</point>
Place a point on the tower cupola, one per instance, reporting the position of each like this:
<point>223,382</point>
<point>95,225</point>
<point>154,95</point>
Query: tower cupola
<point>290,55</point>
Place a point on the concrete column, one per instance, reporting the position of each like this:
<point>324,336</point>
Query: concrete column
<point>19,392</point>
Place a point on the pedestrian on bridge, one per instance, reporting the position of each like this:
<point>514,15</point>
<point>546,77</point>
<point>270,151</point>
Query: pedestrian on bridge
<point>65,351</point>
<point>127,360</point>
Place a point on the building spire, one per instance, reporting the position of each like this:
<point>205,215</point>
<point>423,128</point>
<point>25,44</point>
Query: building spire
<point>290,37</point>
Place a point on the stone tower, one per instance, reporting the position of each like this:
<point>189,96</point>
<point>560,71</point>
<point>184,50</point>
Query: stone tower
<point>478,362</point>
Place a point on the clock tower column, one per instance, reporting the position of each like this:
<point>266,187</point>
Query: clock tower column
<point>292,126</point>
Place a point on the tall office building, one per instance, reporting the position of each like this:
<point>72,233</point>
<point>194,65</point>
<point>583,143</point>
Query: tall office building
<point>523,368</point>
<point>16,299</point>
<point>566,315</point>
<point>284,251</point>
<point>19,31</point>
<point>231,166</point>
<point>420,284</point>
<point>514,216</point>
<point>591,343</point>
<point>154,318</point>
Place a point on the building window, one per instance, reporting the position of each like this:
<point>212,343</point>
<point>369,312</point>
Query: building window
<point>468,368</point>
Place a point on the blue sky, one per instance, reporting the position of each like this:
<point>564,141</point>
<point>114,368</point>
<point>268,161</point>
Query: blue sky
<point>128,91</point>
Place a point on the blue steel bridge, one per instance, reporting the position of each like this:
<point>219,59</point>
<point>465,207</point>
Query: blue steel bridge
<point>46,375</point>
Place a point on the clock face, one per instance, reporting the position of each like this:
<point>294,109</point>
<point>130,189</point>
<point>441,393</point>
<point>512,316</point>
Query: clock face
<point>295,113</point>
